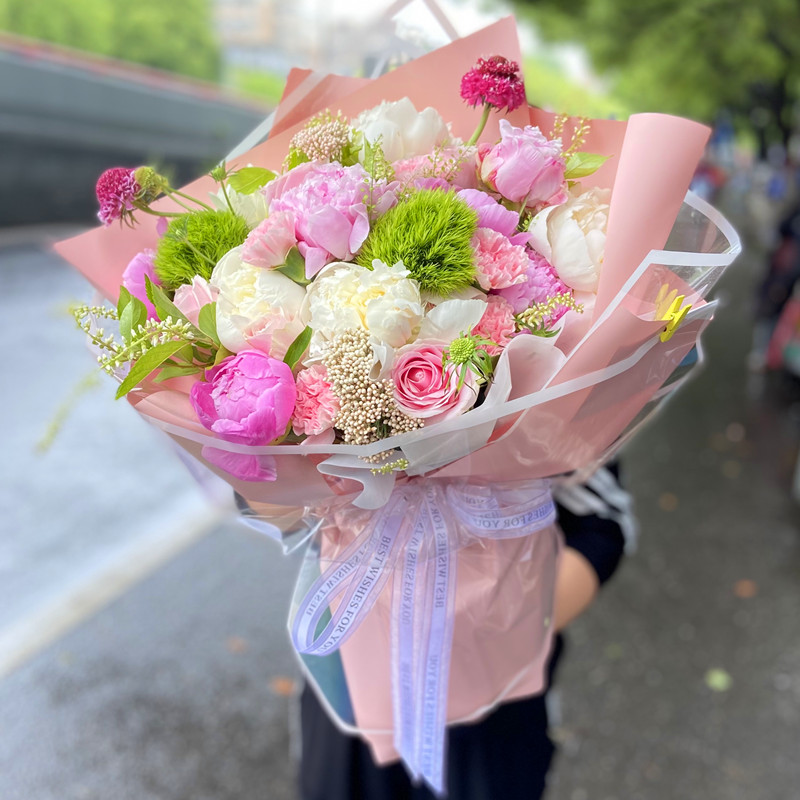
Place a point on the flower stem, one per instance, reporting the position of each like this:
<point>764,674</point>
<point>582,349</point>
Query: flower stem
<point>481,125</point>
<point>148,210</point>
<point>200,203</point>
<point>225,195</point>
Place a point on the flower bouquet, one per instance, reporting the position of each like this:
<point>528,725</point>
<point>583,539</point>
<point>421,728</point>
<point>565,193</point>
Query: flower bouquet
<point>396,325</point>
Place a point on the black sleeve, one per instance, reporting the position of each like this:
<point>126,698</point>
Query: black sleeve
<point>598,536</point>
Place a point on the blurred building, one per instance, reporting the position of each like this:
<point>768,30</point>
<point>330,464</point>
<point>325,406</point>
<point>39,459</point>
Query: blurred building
<point>274,36</point>
<point>66,116</point>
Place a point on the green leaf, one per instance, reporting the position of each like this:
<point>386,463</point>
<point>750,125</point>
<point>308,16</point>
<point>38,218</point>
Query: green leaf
<point>295,267</point>
<point>147,363</point>
<point>298,347</point>
<point>207,321</point>
<point>221,355</point>
<point>352,150</point>
<point>581,165</point>
<point>124,299</point>
<point>133,315</point>
<point>166,308</point>
<point>248,180</point>
<point>295,158</point>
<point>176,371</point>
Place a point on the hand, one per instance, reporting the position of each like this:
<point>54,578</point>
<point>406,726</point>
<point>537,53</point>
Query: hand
<point>576,587</point>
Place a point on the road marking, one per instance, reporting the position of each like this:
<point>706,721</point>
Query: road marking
<point>91,593</point>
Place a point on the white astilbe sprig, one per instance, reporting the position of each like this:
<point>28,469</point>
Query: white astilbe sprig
<point>368,411</point>
<point>116,353</point>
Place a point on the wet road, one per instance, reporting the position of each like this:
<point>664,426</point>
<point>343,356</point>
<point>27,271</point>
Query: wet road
<point>682,681</point>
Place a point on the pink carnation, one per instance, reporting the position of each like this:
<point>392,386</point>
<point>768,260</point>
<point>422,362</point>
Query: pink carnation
<point>540,285</point>
<point>326,202</point>
<point>497,324</point>
<point>494,81</point>
<point>268,244</point>
<point>116,190</point>
<point>498,263</point>
<point>317,405</point>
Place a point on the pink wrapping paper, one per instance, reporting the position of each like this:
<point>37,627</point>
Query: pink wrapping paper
<point>500,644</point>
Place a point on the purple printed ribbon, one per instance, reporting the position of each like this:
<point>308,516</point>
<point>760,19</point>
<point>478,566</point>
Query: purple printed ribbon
<point>413,538</point>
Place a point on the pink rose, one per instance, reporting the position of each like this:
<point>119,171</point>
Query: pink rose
<point>524,166</point>
<point>317,405</point>
<point>496,324</point>
<point>423,390</point>
<point>498,263</point>
<point>269,243</point>
<point>191,297</point>
<point>247,398</point>
<point>133,278</point>
<point>252,468</point>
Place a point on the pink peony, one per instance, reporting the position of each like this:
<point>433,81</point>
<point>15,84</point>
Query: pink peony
<point>542,283</point>
<point>116,190</point>
<point>326,202</point>
<point>245,467</point>
<point>498,263</point>
<point>317,405</point>
<point>524,166</point>
<point>494,81</point>
<point>268,244</point>
<point>141,265</point>
<point>191,297</point>
<point>247,398</point>
<point>423,390</point>
<point>497,324</point>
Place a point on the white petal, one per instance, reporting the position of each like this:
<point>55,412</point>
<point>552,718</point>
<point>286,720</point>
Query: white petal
<point>538,230</point>
<point>451,319</point>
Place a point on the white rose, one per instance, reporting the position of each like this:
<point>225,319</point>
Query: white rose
<point>404,132</point>
<point>252,208</point>
<point>572,237</point>
<point>383,301</point>
<point>256,308</point>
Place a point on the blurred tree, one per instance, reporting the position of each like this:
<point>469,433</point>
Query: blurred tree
<point>176,36</point>
<point>83,25</point>
<point>691,57</point>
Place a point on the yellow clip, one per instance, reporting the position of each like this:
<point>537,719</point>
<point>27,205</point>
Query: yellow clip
<point>673,316</point>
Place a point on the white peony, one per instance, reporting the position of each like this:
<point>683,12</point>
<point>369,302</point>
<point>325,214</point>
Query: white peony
<point>383,301</point>
<point>403,131</point>
<point>256,308</point>
<point>252,208</point>
<point>572,237</point>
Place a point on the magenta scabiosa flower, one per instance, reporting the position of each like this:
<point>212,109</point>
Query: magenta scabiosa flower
<point>117,189</point>
<point>495,82</point>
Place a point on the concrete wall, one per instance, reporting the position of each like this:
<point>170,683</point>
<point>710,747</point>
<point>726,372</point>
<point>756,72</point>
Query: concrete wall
<point>62,123</point>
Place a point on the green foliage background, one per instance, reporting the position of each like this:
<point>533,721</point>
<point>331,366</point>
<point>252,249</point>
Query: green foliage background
<point>174,35</point>
<point>689,57</point>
